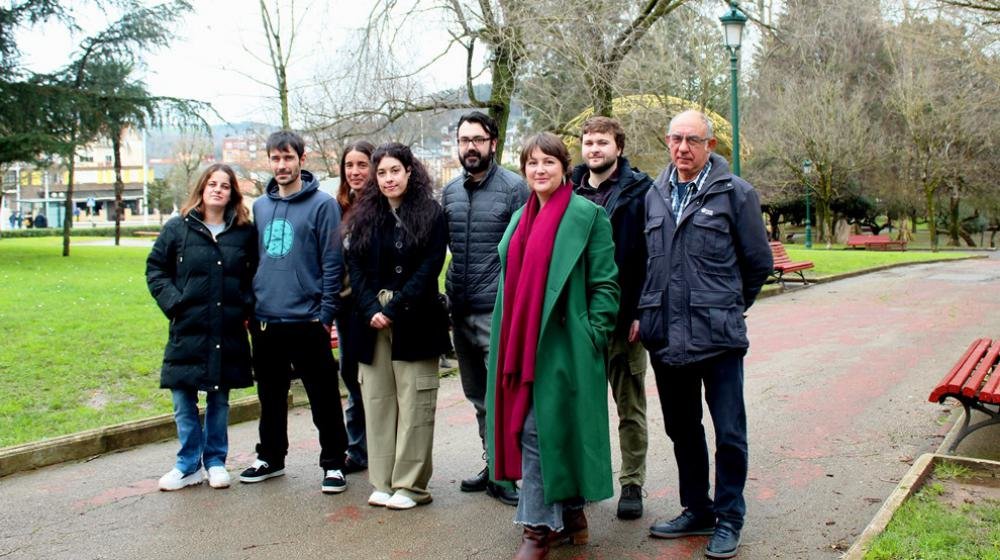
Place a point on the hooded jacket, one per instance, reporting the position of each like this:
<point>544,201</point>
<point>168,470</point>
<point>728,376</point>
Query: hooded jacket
<point>299,274</point>
<point>203,286</point>
<point>626,208</point>
<point>478,214</point>
<point>704,268</point>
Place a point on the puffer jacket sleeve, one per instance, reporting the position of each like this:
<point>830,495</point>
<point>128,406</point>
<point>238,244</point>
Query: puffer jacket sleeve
<point>161,268</point>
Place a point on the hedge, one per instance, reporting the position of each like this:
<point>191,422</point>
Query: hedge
<point>78,231</point>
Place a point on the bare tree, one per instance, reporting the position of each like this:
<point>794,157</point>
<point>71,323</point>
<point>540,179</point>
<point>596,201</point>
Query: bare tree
<point>280,43</point>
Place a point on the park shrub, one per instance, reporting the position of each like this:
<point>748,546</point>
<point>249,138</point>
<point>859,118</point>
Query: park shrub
<point>78,231</point>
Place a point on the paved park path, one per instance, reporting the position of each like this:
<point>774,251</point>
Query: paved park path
<point>836,388</point>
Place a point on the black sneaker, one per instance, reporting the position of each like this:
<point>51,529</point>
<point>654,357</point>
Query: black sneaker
<point>352,466</point>
<point>476,483</point>
<point>725,542</point>
<point>260,471</point>
<point>630,502</point>
<point>333,482</point>
<point>684,525</point>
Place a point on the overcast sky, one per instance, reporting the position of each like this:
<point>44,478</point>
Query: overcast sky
<point>209,60</point>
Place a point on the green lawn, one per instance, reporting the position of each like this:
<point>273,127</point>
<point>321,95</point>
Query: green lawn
<point>839,261</point>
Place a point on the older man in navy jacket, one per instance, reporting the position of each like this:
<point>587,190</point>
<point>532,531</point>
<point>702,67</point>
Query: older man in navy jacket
<point>708,258</point>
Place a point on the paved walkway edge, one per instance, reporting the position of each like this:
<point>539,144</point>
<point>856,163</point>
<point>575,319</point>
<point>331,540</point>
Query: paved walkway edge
<point>89,443</point>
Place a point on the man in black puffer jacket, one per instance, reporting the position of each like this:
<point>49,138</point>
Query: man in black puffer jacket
<point>606,179</point>
<point>478,205</point>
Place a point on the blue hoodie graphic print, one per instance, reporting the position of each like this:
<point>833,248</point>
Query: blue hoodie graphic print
<point>299,273</point>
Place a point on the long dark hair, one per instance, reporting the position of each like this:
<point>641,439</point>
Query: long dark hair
<point>344,194</point>
<point>417,212</point>
<point>194,201</point>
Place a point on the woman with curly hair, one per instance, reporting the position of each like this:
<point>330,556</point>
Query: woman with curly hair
<point>396,239</point>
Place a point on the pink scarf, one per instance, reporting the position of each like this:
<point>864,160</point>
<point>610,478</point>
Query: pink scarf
<point>528,258</point>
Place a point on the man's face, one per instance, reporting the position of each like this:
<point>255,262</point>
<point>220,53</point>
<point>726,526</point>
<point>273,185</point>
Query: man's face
<point>689,149</point>
<point>599,151</point>
<point>286,165</point>
<point>475,147</point>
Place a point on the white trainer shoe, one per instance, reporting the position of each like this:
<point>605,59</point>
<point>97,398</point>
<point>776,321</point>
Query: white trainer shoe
<point>400,502</point>
<point>378,499</point>
<point>175,480</point>
<point>218,477</point>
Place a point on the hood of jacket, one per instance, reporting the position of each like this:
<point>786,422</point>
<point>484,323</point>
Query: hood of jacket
<point>309,186</point>
<point>631,181</point>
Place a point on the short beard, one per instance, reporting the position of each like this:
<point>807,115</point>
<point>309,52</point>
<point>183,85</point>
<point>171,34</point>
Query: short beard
<point>603,167</point>
<point>483,165</point>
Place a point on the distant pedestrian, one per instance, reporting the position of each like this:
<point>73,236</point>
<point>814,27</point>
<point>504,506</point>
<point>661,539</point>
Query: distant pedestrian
<point>13,219</point>
<point>708,258</point>
<point>397,239</point>
<point>208,306</point>
<point>355,170</point>
<point>607,179</point>
<point>547,412</point>
<point>20,218</point>
<point>41,221</point>
<point>296,293</point>
<point>478,204</point>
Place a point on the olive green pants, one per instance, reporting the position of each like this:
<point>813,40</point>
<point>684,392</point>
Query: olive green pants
<point>400,399</point>
<point>627,377</point>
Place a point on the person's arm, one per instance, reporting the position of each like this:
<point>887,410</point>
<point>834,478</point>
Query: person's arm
<point>427,273</point>
<point>602,274</point>
<point>161,270</point>
<point>331,259</point>
<point>752,249</point>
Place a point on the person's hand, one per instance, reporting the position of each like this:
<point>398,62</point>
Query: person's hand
<point>380,321</point>
<point>633,331</point>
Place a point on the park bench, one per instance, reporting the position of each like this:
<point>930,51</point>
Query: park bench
<point>974,381</point>
<point>784,265</point>
<point>875,243</point>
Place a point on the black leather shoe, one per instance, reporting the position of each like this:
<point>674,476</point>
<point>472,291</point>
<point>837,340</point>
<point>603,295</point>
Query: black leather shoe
<point>725,542</point>
<point>684,525</point>
<point>506,495</point>
<point>477,483</point>
<point>630,502</point>
<point>352,466</point>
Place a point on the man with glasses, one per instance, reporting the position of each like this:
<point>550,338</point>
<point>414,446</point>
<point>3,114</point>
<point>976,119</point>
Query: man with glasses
<point>478,205</point>
<point>708,258</point>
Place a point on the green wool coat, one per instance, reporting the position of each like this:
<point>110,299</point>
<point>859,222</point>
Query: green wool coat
<point>570,392</point>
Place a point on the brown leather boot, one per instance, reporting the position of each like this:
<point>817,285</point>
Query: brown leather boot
<point>574,529</point>
<point>534,544</point>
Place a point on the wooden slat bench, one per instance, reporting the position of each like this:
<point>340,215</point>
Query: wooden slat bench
<point>974,381</point>
<point>784,265</point>
<point>875,243</point>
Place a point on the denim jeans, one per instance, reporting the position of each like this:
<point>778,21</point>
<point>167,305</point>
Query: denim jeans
<point>531,507</point>
<point>680,398</point>
<point>201,444</point>
<point>354,412</point>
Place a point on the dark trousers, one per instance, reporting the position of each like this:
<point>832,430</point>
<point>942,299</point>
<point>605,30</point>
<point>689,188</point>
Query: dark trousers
<point>354,414</point>
<point>282,351</point>
<point>679,388</point>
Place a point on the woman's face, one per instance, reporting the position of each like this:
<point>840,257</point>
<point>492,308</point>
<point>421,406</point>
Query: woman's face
<point>217,191</point>
<point>544,173</point>
<point>356,169</point>
<point>393,179</point>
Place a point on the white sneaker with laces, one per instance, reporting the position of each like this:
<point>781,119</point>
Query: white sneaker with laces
<point>175,480</point>
<point>218,477</point>
<point>399,502</point>
<point>378,499</point>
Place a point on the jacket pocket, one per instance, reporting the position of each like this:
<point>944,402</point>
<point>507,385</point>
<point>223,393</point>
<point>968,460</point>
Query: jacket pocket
<point>711,236</point>
<point>654,236</point>
<point>714,315</point>
<point>652,327</point>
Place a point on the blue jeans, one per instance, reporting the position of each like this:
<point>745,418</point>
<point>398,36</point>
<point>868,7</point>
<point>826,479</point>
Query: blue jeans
<point>531,507</point>
<point>680,397</point>
<point>354,412</point>
<point>205,444</point>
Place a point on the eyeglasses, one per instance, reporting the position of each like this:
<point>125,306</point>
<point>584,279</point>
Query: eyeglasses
<point>478,141</point>
<point>678,139</point>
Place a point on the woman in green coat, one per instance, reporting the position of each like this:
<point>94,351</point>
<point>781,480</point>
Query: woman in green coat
<point>547,413</point>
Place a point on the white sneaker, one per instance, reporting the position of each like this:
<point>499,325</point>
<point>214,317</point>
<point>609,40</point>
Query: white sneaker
<point>175,480</point>
<point>378,499</point>
<point>399,501</point>
<point>218,477</point>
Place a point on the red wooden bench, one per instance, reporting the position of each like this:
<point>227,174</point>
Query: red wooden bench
<point>875,243</point>
<point>974,381</point>
<point>784,265</point>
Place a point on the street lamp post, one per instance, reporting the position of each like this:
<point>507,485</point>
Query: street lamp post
<point>807,166</point>
<point>732,23</point>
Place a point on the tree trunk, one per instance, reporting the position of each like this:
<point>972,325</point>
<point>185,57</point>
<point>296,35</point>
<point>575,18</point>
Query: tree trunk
<point>68,208</point>
<point>775,219</point>
<point>505,66</point>
<point>116,143</point>
<point>954,222</point>
<point>931,215</point>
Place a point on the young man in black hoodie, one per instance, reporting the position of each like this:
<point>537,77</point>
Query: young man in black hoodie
<point>607,179</point>
<point>295,288</point>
